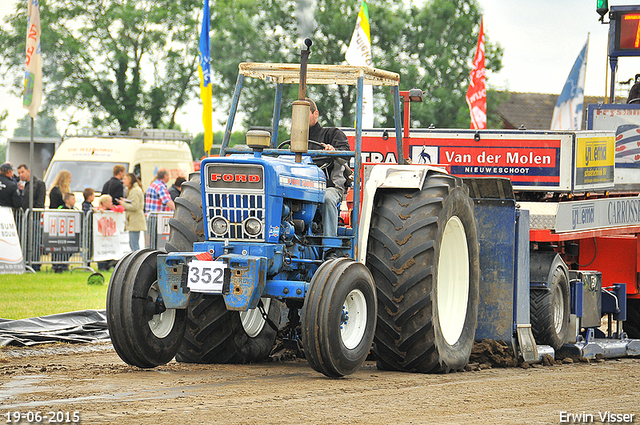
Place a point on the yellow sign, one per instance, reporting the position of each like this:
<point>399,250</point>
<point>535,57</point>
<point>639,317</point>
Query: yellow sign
<point>596,151</point>
<point>595,161</point>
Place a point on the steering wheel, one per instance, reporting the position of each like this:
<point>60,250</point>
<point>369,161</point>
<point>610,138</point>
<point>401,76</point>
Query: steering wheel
<point>320,161</point>
<point>319,146</point>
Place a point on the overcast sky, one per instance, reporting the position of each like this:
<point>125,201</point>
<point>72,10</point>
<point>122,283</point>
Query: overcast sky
<point>541,41</point>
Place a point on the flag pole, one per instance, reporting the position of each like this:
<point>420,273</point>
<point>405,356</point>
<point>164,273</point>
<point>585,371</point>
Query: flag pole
<point>31,161</point>
<point>31,214</point>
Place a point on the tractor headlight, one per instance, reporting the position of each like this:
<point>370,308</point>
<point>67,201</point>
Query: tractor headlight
<point>252,226</point>
<point>219,226</point>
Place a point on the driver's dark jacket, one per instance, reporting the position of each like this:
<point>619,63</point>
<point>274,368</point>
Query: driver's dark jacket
<point>330,136</point>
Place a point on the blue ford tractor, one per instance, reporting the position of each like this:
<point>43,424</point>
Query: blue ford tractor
<point>245,240</point>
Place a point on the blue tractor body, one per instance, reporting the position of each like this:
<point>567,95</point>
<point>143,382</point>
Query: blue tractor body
<point>248,238</point>
<point>258,220</point>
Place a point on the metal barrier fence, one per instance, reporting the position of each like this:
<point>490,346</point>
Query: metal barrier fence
<point>30,225</point>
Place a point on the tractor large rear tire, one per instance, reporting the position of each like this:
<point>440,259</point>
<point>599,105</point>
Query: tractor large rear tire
<point>423,254</point>
<point>142,331</point>
<point>549,306</point>
<point>214,334</point>
<point>217,335</point>
<point>187,225</point>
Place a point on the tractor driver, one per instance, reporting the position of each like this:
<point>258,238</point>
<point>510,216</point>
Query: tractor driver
<point>334,168</point>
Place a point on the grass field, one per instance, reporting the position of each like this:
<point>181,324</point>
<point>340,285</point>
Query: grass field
<point>44,293</point>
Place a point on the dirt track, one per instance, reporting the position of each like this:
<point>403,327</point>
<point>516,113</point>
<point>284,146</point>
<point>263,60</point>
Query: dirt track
<point>93,381</point>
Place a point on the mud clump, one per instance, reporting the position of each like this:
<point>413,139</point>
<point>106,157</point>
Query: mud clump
<point>489,353</point>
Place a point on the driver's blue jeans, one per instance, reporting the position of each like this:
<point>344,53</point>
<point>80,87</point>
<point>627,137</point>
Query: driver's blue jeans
<point>329,210</point>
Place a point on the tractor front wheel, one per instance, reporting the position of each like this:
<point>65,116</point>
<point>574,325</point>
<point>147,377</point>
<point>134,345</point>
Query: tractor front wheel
<point>339,317</point>
<point>143,331</point>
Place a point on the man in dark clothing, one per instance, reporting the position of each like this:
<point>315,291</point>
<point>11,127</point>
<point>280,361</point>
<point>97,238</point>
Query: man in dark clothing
<point>332,139</point>
<point>114,186</point>
<point>9,196</point>
<point>40,190</point>
<point>176,189</point>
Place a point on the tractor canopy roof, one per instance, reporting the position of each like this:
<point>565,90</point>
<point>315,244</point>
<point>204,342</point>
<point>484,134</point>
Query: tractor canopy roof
<point>289,73</point>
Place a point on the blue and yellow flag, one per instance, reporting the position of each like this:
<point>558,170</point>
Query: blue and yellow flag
<point>204,70</point>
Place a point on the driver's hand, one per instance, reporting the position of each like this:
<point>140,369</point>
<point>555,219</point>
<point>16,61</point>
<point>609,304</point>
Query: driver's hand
<point>328,147</point>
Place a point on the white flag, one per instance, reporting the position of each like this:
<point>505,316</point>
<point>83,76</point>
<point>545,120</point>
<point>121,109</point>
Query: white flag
<point>33,69</point>
<point>359,54</point>
<point>567,115</point>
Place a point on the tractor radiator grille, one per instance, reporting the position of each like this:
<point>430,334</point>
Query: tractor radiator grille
<point>236,209</point>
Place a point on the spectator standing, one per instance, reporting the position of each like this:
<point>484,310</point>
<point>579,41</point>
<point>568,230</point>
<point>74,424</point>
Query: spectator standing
<point>176,189</point>
<point>134,221</point>
<point>114,186</point>
<point>157,197</point>
<point>69,200</point>
<point>105,203</point>
<point>59,188</point>
<point>9,195</point>
<point>89,195</point>
<point>14,176</point>
<point>40,191</point>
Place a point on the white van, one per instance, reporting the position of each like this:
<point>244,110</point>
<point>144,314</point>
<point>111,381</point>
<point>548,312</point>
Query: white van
<point>91,154</point>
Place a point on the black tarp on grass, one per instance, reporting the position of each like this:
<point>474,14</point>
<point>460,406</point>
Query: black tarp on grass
<point>76,326</point>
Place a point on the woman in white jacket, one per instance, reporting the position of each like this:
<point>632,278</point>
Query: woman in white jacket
<point>135,221</point>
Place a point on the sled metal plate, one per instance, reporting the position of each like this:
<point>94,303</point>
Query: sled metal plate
<point>248,277</point>
<point>497,237</point>
<point>608,348</point>
<point>527,343</point>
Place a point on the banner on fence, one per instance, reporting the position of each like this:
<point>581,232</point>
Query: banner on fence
<point>62,231</point>
<point>110,240</point>
<point>11,260</point>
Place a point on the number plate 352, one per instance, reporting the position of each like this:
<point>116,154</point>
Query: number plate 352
<point>206,276</point>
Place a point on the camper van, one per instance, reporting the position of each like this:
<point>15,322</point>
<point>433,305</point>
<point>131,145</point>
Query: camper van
<point>91,154</point>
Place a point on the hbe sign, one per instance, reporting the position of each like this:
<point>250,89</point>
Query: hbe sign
<point>62,231</point>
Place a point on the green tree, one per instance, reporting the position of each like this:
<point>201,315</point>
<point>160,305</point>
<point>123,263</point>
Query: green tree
<point>130,63</point>
<point>3,116</point>
<point>430,46</point>
<point>259,31</point>
<point>442,41</point>
<point>45,125</point>
<point>197,146</point>
<point>3,146</point>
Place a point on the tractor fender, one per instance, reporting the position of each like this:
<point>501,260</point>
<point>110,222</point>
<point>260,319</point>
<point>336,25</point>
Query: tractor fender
<point>387,176</point>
